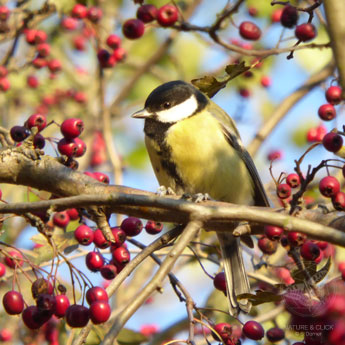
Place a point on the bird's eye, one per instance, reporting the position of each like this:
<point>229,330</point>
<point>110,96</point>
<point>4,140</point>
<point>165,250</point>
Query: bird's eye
<point>166,105</point>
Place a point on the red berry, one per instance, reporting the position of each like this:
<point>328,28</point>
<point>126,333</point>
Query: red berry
<point>219,281</point>
<point>101,177</point>
<point>96,293</point>
<point>283,191</point>
<point>3,71</point>
<point>147,13</point>
<point>94,14</point>
<point>19,133</point>
<point>4,13</point>
<point>310,251</point>
<point>99,312</point>
<point>167,15</point>
<point>335,305</point>
<point>36,120</point>
<point>99,239</point>
<point>79,42</point>
<point>337,333</point>
<point>225,332</point>
<point>84,235</point>
<point>46,303</point>
<point>113,41</point>
<point>14,258</point>
<point>338,201</point>
<point>329,186</point>
<point>275,154</point>
<point>72,128</point>
<point>80,97</point>
<point>132,226</point>
<point>61,305</point>
<point>327,112</point>
<point>81,147</point>
<point>276,15</point>
<point>39,62</point>
<point>284,275</point>
<point>121,255</point>
<point>253,330</point>
<point>289,16</point>
<point>119,236</point>
<point>69,23</point>
<point>4,84</point>
<point>265,81</point>
<point>13,302</point>
<point>105,59</point>
<point>333,95</point>
<point>119,54</point>
<point>267,246</point>
<point>273,233</point>
<point>109,272</point>
<point>275,334</point>
<point>32,81</point>
<point>54,65</point>
<point>153,227</point>
<point>30,35</point>
<point>245,93</point>
<point>41,286</point>
<point>2,269</point>
<point>295,238</point>
<point>40,36</point>
<point>61,219</point>
<point>332,142</point>
<point>73,213</point>
<point>253,11</point>
<point>94,261</point>
<point>77,316</point>
<point>293,180</point>
<point>79,11</point>
<point>5,334</point>
<point>250,31</point>
<point>67,147</point>
<point>133,28</point>
<point>305,32</point>
<point>32,317</point>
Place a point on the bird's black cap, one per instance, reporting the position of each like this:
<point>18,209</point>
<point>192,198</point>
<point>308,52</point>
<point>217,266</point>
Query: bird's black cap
<point>173,93</point>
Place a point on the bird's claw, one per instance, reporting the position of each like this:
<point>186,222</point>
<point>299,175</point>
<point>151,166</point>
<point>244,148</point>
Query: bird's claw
<point>163,191</point>
<point>197,198</point>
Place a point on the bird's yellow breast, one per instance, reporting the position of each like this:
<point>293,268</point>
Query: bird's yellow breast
<point>204,160</point>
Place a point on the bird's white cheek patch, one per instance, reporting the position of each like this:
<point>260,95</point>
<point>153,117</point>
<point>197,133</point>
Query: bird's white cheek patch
<point>179,111</point>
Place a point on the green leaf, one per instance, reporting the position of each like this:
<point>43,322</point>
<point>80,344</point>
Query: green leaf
<point>236,69</point>
<point>260,297</point>
<point>321,274</point>
<point>311,267</point>
<point>210,85</point>
<point>129,337</point>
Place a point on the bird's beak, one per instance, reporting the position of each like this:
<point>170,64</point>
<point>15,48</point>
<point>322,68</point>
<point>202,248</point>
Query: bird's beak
<point>141,114</point>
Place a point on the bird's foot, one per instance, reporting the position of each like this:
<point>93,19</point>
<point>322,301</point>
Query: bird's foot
<point>164,191</point>
<point>197,198</point>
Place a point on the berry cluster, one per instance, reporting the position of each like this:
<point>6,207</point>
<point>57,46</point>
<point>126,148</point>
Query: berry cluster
<point>327,112</point>
<point>70,145</point>
<point>95,261</point>
<point>166,16</point>
<point>50,306</point>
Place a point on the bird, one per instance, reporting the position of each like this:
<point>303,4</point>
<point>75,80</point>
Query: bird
<point>195,148</point>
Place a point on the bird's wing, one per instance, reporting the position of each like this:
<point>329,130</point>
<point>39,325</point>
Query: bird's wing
<point>234,139</point>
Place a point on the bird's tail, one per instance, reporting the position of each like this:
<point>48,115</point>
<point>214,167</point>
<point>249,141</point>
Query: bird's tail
<point>235,274</point>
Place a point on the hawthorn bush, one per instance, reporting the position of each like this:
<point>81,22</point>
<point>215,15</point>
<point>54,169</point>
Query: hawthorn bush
<point>81,253</point>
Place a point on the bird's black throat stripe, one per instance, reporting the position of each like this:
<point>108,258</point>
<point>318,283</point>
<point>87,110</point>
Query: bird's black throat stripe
<point>156,131</point>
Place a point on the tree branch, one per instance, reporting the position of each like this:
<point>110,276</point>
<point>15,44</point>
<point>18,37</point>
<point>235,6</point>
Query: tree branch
<point>188,234</point>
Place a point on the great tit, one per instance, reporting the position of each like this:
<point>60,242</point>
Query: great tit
<point>195,147</point>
